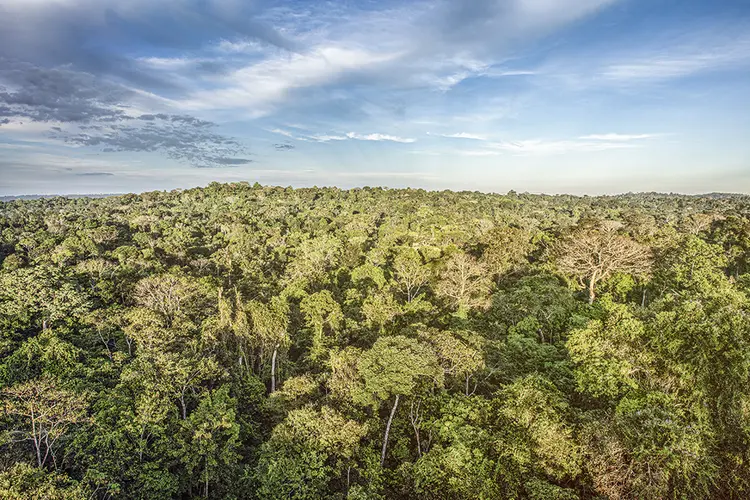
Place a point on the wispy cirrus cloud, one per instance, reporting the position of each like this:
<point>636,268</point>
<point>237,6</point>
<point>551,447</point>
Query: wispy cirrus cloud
<point>617,137</point>
<point>464,135</point>
<point>584,144</point>
<point>552,147</point>
<point>279,131</point>
<point>658,58</point>
<point>434,44</point>
<point>681,58</point>
<point>378,137</point>
<point>257,87</point>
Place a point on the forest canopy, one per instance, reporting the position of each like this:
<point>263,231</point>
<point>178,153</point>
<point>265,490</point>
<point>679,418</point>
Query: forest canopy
<point>241,341</point>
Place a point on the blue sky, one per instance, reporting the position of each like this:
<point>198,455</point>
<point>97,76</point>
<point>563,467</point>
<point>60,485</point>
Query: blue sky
<point>575,96</point>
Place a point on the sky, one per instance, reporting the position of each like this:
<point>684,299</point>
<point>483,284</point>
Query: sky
<point>554,96</point>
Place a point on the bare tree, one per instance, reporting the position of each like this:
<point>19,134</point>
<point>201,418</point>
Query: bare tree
<point>410,274</point>
<point>594,254</point>
<point>464,282</point>
<point>44,413</point>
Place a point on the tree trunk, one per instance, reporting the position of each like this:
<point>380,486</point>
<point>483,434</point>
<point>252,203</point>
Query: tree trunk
<point>388,430</point>
<point>592,293</point>
<point>414,421</point>
<point>206,476</point>
<point>273,368</point>
<point>182,406</point>
<point>37,440</point>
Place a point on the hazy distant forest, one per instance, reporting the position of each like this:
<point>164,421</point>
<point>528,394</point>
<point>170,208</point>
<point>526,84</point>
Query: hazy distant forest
<point>240,341</point>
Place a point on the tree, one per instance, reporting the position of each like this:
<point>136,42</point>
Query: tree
<point>45,413</point>
<point>458,353</point>
<point>39,297</point>
<point>593,255</point>
<point>535,405</point>
<point>269,325</point>
<point>410,275</point>
<point>306,451</point>
<point>464,282</point>
<point>394,367</point>
<point>22,482</point>
<point>690,264</point>
<point>212,438</point>
<point>168,296</point>
<point>506,247</point>
<point>607,353</point>
<point>322,314</point>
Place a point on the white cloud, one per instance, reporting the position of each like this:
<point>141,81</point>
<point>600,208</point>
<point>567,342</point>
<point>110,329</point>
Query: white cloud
<point>239,47</point>
<point>668,66</point>
<point>255,88</point>
<point>323,138</point>
<point>168,63</point>
<point>432,43</point>
<point>465,135</point>
<point>669,56</point>
<point>539,146</point>
<point>617,137</point>
<point>279,131</point>
<point>379,137</point>
<point>356,136</point>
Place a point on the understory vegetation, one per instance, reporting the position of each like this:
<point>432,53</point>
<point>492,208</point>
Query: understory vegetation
<point>241,341</point>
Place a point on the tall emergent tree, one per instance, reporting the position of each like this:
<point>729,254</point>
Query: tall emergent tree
<point>594,254</point>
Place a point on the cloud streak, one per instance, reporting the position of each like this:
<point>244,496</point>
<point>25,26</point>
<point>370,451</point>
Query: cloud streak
<point>541,147</point>
<point>465,135</point>
<point>617,137</point>
<point>377,137</point>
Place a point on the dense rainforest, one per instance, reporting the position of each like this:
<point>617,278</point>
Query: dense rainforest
<point>239,341</point>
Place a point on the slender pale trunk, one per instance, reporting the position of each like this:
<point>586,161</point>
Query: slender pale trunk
<point>37,440</point>
<point>273,368</point>
<point>414,421</point>
<point>206,476</point>
<point>388,430</point>
<point>419,443</point>
<point>182,406</point>
<point>592,293</point>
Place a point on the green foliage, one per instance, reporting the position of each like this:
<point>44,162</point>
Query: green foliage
<point>608,360</point>
<point>23,482</point>
<point>240,341</point>
<point>211,441</point>
<point>306,452</point>
<point>396,365</point>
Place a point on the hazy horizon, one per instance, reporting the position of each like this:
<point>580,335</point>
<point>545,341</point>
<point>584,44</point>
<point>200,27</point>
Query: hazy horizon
<point>6,197</point>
